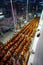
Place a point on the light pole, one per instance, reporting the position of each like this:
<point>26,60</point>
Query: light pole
<point>12,12</point>
<point>27,12</point>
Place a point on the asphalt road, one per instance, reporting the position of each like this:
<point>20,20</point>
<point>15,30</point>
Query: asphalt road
<point>38,60</point>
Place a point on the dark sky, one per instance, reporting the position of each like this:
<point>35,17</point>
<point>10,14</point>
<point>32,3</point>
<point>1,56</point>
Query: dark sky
<point>23,0</point>
<point>30,0</point>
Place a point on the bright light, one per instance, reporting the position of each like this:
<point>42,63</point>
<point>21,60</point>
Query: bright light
<point>1,13</point>
<point>1,16</point>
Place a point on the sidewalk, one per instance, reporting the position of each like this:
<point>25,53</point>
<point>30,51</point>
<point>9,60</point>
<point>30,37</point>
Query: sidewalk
<point>38,60</point>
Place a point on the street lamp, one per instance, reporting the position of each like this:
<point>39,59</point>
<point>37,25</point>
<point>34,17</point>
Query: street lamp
<point>12,12</point>
<point>27,12</point>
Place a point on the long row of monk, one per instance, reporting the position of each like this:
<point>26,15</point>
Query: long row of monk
<point>16,51</point>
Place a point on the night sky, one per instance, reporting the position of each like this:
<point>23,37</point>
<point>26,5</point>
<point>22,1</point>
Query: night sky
<point>5,2</point>
<point>28,0</point>
<point>22,0</point>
